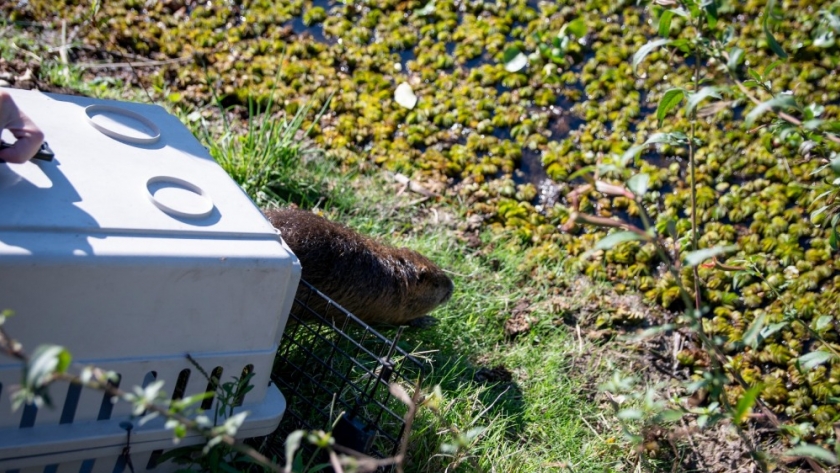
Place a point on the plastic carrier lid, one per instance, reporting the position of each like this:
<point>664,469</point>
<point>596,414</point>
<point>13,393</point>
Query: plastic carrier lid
<point>119,167</point>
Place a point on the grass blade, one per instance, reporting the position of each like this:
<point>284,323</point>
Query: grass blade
<point>648,48</point>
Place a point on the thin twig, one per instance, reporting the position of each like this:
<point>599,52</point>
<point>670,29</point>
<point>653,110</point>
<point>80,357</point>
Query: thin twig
<point>409,420</point>
<point>487,409</point>
<point>692,164</point>
<point>120,65</point>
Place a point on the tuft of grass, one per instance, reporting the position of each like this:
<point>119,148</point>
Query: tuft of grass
<point>268,160</point>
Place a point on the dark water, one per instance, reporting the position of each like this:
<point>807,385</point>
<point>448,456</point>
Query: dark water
<point>316,31</point>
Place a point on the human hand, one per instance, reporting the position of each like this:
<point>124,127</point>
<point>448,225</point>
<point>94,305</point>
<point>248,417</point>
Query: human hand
<point>29,136</point>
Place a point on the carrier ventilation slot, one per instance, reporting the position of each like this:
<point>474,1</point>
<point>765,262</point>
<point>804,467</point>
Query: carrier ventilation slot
<point>107,406</point>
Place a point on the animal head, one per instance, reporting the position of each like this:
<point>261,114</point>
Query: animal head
<point>433,286</point>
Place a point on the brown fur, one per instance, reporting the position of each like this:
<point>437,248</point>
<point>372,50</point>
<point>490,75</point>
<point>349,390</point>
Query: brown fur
<point>375,282</point>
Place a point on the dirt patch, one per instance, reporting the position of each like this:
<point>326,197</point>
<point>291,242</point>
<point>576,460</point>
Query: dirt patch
<point>519,321</point>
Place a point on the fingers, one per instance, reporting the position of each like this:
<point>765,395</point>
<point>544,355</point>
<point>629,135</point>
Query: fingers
<point>29,136</point>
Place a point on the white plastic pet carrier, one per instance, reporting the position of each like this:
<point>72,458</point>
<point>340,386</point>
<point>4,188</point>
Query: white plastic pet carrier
<point>132,248</point>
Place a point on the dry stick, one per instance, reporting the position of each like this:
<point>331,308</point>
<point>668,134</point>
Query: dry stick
<point>583,418</point>
<point>603,222</point>
<point>335,463</point>
<point>692,167</point>
<point>487,409</point>
<point>118,65</point>
<point>365,461</point>
<point>409,420</point>
<point>123,54</point>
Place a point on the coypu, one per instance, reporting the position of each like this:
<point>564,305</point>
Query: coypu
<point>375,282</point>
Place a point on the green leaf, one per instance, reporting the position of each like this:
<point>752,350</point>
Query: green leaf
<point>292,445</point>
<point>471,434</point>
<point>510,53</point>
<point>638,184</point>
<point>745,404</point>
<point>833,238</point>
<point>771,41</point>
<point>675,138</point>
<point>815,358</point>
<point>736,55</point>
<point>614,239</point>
<point>694,258</point>
<point>772,328</point>
<point>515,63</point>
<point>642,53</point>
<point>822,322</point>
<point>711,13</point>
<point>770,67</point>
<point>751,336</point>
<point>816,213</point>
<point>670,415</point>
<point>812,125</point>
<point>45,361</point>
<point>779,101</point>
<point>702,94</point>
<point>812,451</point>
<point>670,99</point>
<point>727,35</point>
<point>814,111</point>
<point>577,27</point>
<point>629,414</point>
<point>693,386</point>
<point>631,153</point>
<point>581,172</point>
<point>667,138</point>
<point>833,126</point>
<point>682,44</point>
<point>426,10</point>
<point>195,398</point>
<point>825,40</point>
<point>228,468</point>
<point>694,9</point>
<point>671,226</point>
<point>665,23</point>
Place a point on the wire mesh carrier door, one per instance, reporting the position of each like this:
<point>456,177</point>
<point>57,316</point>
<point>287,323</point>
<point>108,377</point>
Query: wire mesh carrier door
<point>334,369</point>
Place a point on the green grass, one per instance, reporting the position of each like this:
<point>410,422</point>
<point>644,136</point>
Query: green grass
<point>535,422</point>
